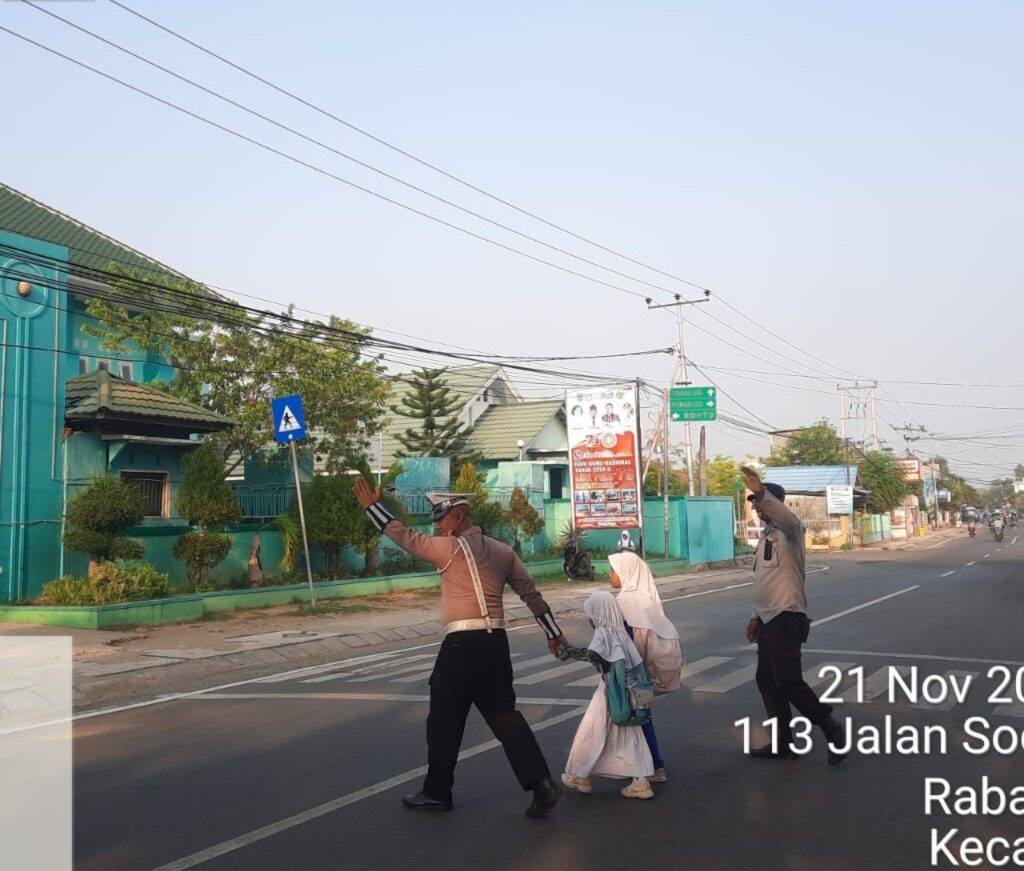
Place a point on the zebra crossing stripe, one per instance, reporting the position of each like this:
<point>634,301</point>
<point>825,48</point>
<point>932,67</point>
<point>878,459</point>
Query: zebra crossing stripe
<point>695,668</point>
<point>875,684</point>
<point>372,670</point>
<point>813,675</point>
<point>1014,710</point>
<point>950,701</point>
<point>550,673</point>
<point>591,680</point>
<point>728,681</point>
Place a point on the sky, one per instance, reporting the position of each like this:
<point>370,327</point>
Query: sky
<point>844,177</point>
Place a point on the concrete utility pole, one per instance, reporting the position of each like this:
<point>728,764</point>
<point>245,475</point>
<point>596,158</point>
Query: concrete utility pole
<point>680,376</point>
<point>907,437</point>
<point>859,406</point>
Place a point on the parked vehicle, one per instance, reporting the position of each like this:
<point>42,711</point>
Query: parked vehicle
<point>576,563</point>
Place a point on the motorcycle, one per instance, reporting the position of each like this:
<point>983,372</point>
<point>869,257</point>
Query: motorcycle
<point>576,563</point>
<point>971,529</point>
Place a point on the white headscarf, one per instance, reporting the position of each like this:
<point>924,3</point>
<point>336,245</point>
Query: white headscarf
<point>610,641</point>
<point>638,598</point>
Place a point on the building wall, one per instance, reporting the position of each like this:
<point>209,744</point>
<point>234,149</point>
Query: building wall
<point>700,528</point>
<point>31,414</point>
<point>131,364</point>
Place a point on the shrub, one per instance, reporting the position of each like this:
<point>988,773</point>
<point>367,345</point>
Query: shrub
<point>200,552</point>
<point>821,539</point>
<point>109,584</point>
<point>97,514</point>
<point>67,591</point>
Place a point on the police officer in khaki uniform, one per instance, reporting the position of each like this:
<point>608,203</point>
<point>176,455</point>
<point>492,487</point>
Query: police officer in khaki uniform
<point>780,624</point>
<point>473,666</point>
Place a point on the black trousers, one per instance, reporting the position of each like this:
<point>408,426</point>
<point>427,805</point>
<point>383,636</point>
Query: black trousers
<point>780,676</point>
<point>474,668</point>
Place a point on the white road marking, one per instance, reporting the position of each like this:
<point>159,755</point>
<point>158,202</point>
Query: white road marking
<point>707,592</point>
<point>986,556</point>
<point>813,675</point>
<point>811,571</point>
<point>950,701</point>
<point>728,681</point>
<point>874,684</point>
<point>922,656</point>
<point>972,562</point>
<point>1014,710</point>
<point>371,672</point>
<point>861,607</point>
<point>1014,540</point>
<point>591,680</point>
<point>947,574</point>
<point>363,697</point>
<point>268,831</point>
<point>551,673</point>
<point>694,668</point>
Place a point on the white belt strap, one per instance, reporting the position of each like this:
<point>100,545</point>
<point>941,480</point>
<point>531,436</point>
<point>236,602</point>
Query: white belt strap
<point>481,601</point>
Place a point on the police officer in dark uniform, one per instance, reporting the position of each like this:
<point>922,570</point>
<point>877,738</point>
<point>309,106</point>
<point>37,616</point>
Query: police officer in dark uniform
<point>473,666</point>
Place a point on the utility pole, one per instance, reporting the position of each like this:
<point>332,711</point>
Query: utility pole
<point>680,375</point>
<point>918,432</point>
<point>857,402</point>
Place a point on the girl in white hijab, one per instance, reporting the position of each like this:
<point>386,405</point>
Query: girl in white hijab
<point>654,635</point>
<point>601,747</point>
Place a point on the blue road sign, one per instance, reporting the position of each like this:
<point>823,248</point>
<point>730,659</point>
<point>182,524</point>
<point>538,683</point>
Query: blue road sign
<point>289,419</point>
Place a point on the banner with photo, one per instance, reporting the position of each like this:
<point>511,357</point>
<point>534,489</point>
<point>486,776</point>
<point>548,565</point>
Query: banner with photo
<point>604,457</point>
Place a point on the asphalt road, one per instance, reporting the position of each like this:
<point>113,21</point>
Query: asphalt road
<point>306,772</point>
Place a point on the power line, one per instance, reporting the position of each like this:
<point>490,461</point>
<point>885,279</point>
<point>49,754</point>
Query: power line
<point>404,153</point>
<point>319,169</point>
<point>321,144</point>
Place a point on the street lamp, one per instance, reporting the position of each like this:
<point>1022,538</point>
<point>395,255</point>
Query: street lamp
<point>520,444</point>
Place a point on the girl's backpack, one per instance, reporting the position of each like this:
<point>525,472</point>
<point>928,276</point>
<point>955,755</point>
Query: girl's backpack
<point>630,693</point>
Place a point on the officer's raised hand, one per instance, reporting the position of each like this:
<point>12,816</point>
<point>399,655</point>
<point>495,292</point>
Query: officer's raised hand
<point>365,494</point>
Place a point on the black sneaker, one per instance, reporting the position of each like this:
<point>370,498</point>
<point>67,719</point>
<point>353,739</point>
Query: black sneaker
<point>768,752</point>
<point>417,801</point>
<point>546,794</point>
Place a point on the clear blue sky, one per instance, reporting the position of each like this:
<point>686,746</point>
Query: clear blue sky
<point>848,175</point>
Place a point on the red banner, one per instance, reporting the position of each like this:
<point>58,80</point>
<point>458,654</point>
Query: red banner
<point>604,463</point>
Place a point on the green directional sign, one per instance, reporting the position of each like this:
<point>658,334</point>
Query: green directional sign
<point>693,403</point>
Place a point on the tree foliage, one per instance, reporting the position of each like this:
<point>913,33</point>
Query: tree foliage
<point>816,445</point>
<point>205,498</point>
<point>97,514</point>
<point>200,552</point>
<point>522,518</point>
<point>435,407</point>
<point>483,511</point>
<point>334,519</point>
<point>234,361</point>
<point>654,481</point>
<point>723,476</point>
<point>882,476</point>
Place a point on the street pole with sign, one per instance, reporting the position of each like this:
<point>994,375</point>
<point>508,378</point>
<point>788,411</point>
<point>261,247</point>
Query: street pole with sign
<point>290,427</point>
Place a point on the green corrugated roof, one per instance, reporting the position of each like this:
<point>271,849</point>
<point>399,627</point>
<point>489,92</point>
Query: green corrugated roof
<point>102,395</point>
<point>496,434</point>
<point>87,248</point>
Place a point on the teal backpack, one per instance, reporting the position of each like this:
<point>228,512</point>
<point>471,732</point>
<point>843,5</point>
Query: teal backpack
<point>630,693</point>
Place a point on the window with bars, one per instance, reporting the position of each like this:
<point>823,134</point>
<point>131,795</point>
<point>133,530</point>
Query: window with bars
<point>154,490</point>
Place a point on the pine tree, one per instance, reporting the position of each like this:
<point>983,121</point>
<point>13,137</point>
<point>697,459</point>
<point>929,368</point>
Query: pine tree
<point>432,402</point>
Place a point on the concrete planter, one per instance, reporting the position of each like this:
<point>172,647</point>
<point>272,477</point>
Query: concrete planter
<point>183,608</point>
<point>175,610</point>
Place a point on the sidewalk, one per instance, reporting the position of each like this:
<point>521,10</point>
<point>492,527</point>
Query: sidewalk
<point>121,667</point>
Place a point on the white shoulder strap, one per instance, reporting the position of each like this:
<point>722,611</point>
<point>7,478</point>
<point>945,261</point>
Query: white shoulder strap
<point>477,586</point>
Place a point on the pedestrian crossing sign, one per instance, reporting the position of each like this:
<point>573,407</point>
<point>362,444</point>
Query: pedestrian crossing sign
<point>289,419</point>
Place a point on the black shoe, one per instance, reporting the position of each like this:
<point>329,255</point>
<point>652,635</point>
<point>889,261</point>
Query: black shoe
<point>546,794</point>
<point>768,752</point>
<point>420,802</point>
<point>836,734</point>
